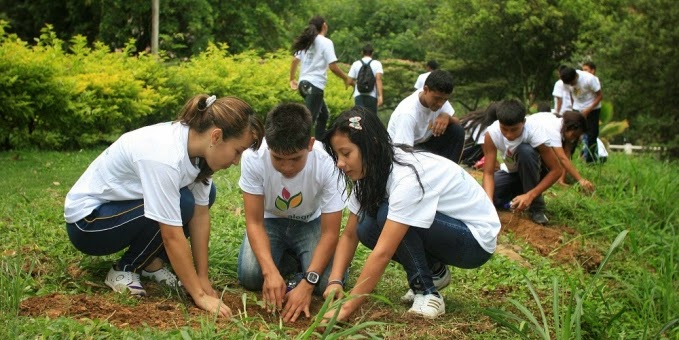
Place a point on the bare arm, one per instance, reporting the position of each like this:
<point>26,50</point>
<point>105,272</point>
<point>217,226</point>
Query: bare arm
<point>273,289</point>
<point>559,102</point>
<point>298,299</point>
<point>378,83</point>
<point>570,168</point>
<point>548,157</point>
<point>599,97</point>
<point>490,154</point>
<point>199,229</point>
<point>338,72</point>
<point>293,73</point>
<point>177,248</point>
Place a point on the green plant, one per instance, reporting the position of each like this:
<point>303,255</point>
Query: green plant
<point>565,324</point>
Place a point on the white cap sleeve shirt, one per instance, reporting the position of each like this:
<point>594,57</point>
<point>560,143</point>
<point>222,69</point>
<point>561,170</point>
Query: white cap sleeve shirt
<point>532,134</point>
<point>151,163</point>
<point>448,189</point>
<point>419,83</point>
<point>411,122</point>
<point>561,92</point>
<point>313,191</point>
<point>315,61</point>
<point>375,66</point>
<point>584,91</point>
<point>551,125</point>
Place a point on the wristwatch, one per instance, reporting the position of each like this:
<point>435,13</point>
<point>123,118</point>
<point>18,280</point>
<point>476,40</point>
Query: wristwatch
<point>312,277</point>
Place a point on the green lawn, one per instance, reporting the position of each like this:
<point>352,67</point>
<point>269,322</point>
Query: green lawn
<point>634,296</point>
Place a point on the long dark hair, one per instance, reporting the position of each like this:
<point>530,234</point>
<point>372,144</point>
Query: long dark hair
<point>377,153</point>
<point>572,121</point>
<point>230,114</point>
<point>482,118</point>
<point>304,40</point>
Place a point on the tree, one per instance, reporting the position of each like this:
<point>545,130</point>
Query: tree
<point>503,48</point>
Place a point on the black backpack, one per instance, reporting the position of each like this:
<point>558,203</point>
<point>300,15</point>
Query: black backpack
<point>365,82</point>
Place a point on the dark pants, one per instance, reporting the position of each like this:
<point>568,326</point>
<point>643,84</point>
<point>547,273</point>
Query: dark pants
<point>114,226</point>
<point>509,185</point>
<point>367,101</point>
<point>590,150</point>
<point>313,100</point>
<point>448,241</point>
<point>448,145</point>
<point>472,152</point>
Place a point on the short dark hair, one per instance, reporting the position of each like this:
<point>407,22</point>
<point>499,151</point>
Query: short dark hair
<point>368,49</point>
<point>544,107</point>
<point>511,112</point>
<point>433,65</point>
<point>567,74</point>
<point>589,64</point>
<point>440,81</point>
<point>288,128</point>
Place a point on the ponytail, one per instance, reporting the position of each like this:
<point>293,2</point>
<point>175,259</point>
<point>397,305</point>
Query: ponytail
<point>304,40</point>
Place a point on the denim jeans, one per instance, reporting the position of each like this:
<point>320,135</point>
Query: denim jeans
<point>117,225</point>
<point>448,241</point>
<point>313,100</point>
<point>448,145</point>
<point>511,184</point>
<point>285,235</point>
<point>367,101</point>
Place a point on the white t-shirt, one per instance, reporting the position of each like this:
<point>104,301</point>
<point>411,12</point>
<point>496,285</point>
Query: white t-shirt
<point>448,189</point>
<point>584,91</point>
<point>150,163</point>
<point>419,83</point>
<point>560,91</point>
<point>551,124</point>
<point>480,136</point>
<point>375,65</point>
<point>315,61</point>
<point>411,122</point>
<point>532,134</point>
<point>313,191</point>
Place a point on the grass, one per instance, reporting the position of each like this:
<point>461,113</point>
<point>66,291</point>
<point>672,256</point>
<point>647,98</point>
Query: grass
<point>634,297</point>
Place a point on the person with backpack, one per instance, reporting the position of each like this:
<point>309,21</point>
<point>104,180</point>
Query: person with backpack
<point>366,75</point>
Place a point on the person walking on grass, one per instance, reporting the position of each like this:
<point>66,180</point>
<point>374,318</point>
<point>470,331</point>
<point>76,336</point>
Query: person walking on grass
<point>368,89</point>
<point>316,54</point>
<point>293,204</point>
<point>414,207</point>
<point>523,146</point>
<point>152,188</point>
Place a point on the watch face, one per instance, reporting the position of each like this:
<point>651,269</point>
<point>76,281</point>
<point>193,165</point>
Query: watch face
<point>312,277</point>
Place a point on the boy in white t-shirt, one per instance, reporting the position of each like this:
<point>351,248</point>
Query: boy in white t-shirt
<point>562,98</point>
<point>585,90</point>
<point>523,145</point>
<point>293,204</point>
<point>424,120</point>
<point>431,66</point>
<point>370,100</point>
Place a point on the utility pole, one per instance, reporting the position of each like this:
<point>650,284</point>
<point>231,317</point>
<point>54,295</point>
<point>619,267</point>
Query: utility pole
<point>155,15</point>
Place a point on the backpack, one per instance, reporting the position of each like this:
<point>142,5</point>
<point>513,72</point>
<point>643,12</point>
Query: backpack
<point>365,82</point>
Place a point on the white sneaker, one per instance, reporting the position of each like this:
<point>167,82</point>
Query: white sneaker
<point>428,306</point>
<point>440,281</point>
<point>122,282</point>
<point>163,276</point>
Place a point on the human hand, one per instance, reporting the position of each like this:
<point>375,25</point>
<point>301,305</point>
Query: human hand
<point>343,314</point>
<point>334,290</point>
<point>206,285</point>
<point>293,84</point>
<point>297,301</point>
<point>273,291</point>
<point>587,185</point>
<point>440,124</point>
<point>213,305</point>
<point>522,202</point>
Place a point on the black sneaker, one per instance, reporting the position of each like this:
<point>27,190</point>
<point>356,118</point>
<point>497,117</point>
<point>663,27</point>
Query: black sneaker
<point>539,217</point>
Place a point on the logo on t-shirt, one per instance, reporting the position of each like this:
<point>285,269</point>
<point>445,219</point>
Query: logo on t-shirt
<point>284,201</point>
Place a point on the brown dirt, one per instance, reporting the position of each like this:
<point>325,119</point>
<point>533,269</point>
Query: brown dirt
<point>164,310</point>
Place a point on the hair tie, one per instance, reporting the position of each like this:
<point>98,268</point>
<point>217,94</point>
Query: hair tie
<point>211,99</point>
<point>354,123</point>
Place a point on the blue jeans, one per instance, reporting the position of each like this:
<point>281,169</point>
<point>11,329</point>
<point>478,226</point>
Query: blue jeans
<point>448,241</point>
<point>367,101</point>
<point>114,226</point>
<point>313,100</point>
<point>285,235</point>
<point>530,172</point>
